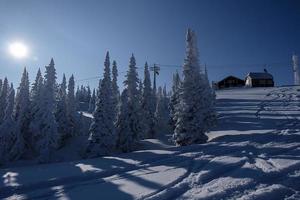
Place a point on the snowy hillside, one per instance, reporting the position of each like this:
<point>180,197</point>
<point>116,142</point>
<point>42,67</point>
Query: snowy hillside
<point>253,153</point>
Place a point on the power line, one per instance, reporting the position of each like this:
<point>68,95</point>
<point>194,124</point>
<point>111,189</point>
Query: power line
<point>169,66</point>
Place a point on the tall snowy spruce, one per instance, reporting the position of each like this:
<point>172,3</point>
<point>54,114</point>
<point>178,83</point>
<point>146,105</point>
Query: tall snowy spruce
<point>88,94</point>
<point>190,125</point>
<point>46,137</point>
<point>9,130</point>
<point>115,87</point>
<point>210,114</point>
<point>36,111</point>
<point>72,118</point>
<point>0,85</point>
<point>3,96</point>
<point>174,100</point>
<point>162,113</point>
<point>22,114</point>
<point>125,140</point>
<point>92,102</point>
<point>140,90</point>
<point>61,112</point>
<point>148,105</point>
<point>129,119</point>
<point>35,85</point>
<point>102,137</point>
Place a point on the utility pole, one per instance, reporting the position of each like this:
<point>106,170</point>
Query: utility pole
<point>296,69</point>
<point>155,70</point>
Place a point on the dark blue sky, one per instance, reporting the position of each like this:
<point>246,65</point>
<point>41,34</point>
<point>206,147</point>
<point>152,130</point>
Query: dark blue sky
<point>234,36</point>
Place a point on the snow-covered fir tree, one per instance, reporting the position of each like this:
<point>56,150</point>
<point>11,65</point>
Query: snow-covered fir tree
<point>77,96</point>
<point>132,117</point>
<point>3,96</point>
<point>97,89</point>
<point>33,91</point>
<point>1,84</point>
<point>148,105</point>
<point>88,94</point>
<point>190,125</point>
<point>102,137</point>
<point>174,100</point>
<point>210,115</point>
<point>36,111</point>
<point>162,113</point>
<point>22,112</point>
<point>72,118</point>
<point>9,130</point>
<point>126,141</point>
<point>61,112</point>
<point>83,94</point>
<point>92,102</point>
<point>140,89</point>
<point>115,87</point>
<point>46,136</point>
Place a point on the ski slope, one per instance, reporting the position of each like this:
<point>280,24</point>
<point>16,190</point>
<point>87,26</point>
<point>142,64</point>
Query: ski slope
<point>253,153</point>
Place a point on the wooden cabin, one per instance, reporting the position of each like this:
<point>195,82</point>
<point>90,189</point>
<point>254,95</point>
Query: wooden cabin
<point>228,82</point>
<point>259,79</point>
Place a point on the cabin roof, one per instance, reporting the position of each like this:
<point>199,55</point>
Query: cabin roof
<point>260,75</point>
<point>232,77</point>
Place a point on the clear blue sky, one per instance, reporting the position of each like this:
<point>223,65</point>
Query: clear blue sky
<point>234,36</point>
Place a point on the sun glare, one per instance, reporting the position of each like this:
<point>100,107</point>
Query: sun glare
<point>18,50</point>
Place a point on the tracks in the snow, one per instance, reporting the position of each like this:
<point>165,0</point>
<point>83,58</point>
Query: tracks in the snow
<point>204,163</point>
<point>73,180</point>
<point>280,98</point>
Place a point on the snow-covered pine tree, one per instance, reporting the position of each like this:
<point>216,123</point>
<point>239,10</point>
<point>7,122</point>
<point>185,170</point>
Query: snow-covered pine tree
<point>77,95</point>
<point>88,94</point>
<point>142,133</point>
<point>115,87</point>
<point>22,112</point>
<point>9,130</point>
<point>140,89</point>
<point>81,94</point>
<point>33,91</point>
<point>190,125</point>
<point>210,115</point>
<point>47,140</point>
<point>61,112</point>
<point>162,113</point>
<point>174,99</point>
<point>1,84</point>
<point>72,116</point>
<point>102,139</point>
<point>148,105</point>
<point>125,139</point>
<point>132,117</point>
<point>36,111</point>
<point>92,102</point>
<point>3,96</point>
<point>97,89</point>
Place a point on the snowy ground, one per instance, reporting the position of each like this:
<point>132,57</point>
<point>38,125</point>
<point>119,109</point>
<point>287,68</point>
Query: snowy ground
<point>254,153</point>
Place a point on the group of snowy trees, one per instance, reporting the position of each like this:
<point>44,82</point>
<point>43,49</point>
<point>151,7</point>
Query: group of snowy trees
<point>121,120</point>
<point>142,112</point>
<point>40,119</point>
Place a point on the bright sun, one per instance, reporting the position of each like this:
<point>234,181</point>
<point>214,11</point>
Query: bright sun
<point>18,50</point>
